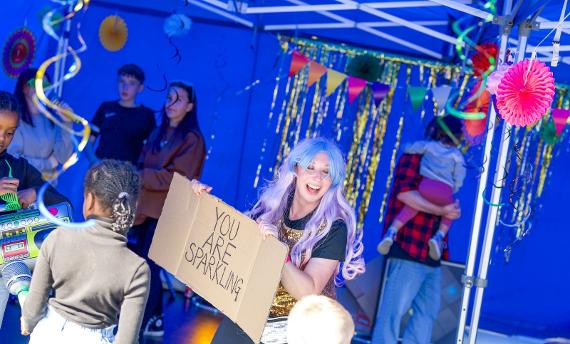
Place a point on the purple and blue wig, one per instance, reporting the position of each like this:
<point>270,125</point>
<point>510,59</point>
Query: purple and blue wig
<point>333,206</point>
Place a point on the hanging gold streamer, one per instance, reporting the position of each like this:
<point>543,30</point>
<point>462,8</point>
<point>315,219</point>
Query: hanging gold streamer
<point>316,103</point>
<point>431,84</point>
<point>341,100</point>
<point>314,109</point>
<point>392,166</point>
<point>287,118</point>
<point>547,157</point>
<point>394,153</point>
<point>270,117</point>
<point>351,166</point>
<point>377,147</point>
<point>462,89</point>
<point>284,105</point>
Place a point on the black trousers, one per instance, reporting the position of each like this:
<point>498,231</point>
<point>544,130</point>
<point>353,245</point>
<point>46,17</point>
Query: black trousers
<point>230,333</point>
<point>140,238</point>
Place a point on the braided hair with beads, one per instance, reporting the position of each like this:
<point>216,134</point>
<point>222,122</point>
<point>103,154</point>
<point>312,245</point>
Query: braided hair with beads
<point>116,186</point>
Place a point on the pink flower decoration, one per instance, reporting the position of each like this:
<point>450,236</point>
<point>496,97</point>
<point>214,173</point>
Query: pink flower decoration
<point>525,93</point>
<point>495,78</point>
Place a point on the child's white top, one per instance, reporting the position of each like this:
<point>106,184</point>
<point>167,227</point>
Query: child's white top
<point>440,162</point>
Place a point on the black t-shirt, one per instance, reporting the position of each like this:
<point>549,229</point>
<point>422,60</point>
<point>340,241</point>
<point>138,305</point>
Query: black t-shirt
<point>331,246</point>
<point>122,130</point>
<point>397,252</point>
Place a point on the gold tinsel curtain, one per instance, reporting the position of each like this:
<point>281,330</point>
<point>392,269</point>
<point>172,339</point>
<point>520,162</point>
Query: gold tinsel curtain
<point>370,135</point>
<point>360,128</point>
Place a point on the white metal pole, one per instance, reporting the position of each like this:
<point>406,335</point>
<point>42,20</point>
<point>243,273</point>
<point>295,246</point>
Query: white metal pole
<point>58,62</point>
<point>468,278</point>
<point>60,72</point>
<point>489,232</point>
<point>62,46</point>
<point>492,216</point>
<point>478,215</point>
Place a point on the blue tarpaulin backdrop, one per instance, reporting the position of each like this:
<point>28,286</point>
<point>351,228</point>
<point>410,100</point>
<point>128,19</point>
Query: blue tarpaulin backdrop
<point>527,296</point>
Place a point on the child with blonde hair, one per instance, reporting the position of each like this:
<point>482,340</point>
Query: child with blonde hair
<point>317,319</point>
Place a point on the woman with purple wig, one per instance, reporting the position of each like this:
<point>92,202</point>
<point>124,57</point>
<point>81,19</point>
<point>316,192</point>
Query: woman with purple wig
<point>305,208</point>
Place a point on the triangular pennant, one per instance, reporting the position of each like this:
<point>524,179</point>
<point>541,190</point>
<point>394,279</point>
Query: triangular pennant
<point>440,95</point>
<point>560,116</point>
<point>298,61</point>
<point>417,95</point>
<point>316,71</point>
<point>334,79</point>
<point>355,86</point>
<point>548,132</point>
<point>379,91</point>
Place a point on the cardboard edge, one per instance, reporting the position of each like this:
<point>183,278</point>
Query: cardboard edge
<point>178,180</point>
<point>274,250</point>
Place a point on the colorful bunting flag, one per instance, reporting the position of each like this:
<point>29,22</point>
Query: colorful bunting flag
<point>548,132</point>
<point>298,61</point>
<point>560,116</point>
<point>417,95</point>
<point>440,95</point>
<point>334,79</point>
<point>316,71</point>
<point>355,86</point>
<point>379,91</point>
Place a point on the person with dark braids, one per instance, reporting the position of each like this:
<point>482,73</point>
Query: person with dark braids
<point>98,282</point>
<point>17,175</point>
<point>177,145</point>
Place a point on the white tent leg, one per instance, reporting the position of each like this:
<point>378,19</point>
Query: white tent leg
<point>468,279</point>
<point>492,216</point>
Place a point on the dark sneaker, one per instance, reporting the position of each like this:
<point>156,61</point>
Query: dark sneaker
<point>436,247</point>
<point>387,241</point>
<point>154,327</point>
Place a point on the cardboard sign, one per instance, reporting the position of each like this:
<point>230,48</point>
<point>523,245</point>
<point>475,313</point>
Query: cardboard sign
<point>220,254</point>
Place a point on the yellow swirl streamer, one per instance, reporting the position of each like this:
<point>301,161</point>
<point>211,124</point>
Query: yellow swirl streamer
<point>41,96</point>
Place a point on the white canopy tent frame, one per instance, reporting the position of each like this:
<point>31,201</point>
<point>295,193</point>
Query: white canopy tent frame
<point>280,27</point>
<point>228,10</point>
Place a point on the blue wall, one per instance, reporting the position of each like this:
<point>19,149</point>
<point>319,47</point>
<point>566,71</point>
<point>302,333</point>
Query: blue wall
<point>526,296</point>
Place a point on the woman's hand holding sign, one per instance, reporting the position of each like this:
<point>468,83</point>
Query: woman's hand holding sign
<point>199,187</point>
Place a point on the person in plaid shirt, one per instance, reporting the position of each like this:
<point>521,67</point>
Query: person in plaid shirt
<point>414,279</point>
<point>443,170</point>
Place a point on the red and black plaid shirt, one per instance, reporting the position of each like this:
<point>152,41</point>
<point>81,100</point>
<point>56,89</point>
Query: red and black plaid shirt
<point>414,236</point>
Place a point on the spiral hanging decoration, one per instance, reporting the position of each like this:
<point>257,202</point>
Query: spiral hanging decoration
<point>44,103</point>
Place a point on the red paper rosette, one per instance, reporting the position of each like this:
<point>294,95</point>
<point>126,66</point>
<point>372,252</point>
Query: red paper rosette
<point>525,93</point>
<point>480,60</point>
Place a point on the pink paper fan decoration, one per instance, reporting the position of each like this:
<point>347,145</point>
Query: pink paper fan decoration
<point>495,78</point>
<point>525,93</point>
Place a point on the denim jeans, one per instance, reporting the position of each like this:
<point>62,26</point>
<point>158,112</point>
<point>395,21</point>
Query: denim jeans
<point>408,284</point>
<point>54,328</point>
